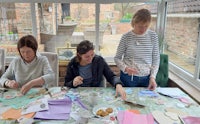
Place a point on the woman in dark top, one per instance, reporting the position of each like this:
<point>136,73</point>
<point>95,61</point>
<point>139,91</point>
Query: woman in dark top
<point>87,70</point>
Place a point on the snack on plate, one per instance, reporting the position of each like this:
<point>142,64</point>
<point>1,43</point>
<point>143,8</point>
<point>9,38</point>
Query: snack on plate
<point>99,112</point>
<point>105,112</point>
<point>109,110</point>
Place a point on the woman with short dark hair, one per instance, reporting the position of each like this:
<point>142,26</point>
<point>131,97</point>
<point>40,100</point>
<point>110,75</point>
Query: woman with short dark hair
<point>87,70</point>
<point>30,69</point>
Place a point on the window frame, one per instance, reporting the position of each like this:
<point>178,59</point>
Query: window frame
<point>161,23</point>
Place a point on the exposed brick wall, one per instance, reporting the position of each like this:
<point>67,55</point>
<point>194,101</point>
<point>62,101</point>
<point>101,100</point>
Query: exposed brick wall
<point>181,37</point>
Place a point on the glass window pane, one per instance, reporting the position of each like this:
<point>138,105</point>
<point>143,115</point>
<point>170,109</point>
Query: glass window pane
<point>182,34</point>
<point>66,25</point>
<point>15,21</point>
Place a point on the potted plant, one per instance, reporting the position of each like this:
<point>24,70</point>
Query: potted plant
<point>68,18</point>
<point>10,35</point>
<point>127,17</point>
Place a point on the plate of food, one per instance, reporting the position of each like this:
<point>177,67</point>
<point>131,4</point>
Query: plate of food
<point>104,110</point>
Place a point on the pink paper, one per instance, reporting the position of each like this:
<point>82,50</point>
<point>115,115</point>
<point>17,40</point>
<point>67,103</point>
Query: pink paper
<point>184,100</point>
<point>191,120</point>
<point>120,117</point>
<point>132,118</point>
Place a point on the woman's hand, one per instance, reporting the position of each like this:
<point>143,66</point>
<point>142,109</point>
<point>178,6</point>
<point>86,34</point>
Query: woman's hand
<point>152,84</point>
<point>26,87</point>
<point>12,84</point>
<point>120,90</point>
<point>131,71</point>
<point>78,80</point>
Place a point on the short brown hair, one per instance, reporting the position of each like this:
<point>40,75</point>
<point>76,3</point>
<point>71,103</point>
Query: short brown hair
<point>142,15</point>
<point>83,47</point>
<point>28,41</point>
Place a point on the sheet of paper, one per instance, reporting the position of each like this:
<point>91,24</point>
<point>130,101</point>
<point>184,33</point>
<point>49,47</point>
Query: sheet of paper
<point>171,92</point>
<point>129,90</point>
<point>15,114</point>
<point>58,110</point>
<point>190,120</point>
<point>18,101</point>
<point>3,109</point>
<point>134,111</point>
<point>161,118</point>
<point>132,118</point>
<point>148,93</point>
<point>120,117</point>
<point>38,105</point>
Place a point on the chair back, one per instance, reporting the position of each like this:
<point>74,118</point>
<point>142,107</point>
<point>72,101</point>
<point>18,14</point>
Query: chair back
<point>162,75</point>
<point>53,61</point>
<point>2,61</point>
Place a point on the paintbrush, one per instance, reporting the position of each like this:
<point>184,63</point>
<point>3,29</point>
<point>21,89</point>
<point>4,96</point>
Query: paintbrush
<point>47,90</point>
<point>134,104</point>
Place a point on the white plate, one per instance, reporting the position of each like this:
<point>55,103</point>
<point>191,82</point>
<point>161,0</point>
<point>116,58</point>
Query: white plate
<point>103,107</point>
<point>85,113</point>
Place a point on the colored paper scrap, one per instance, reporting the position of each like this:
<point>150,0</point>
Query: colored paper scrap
<point>58,110</point>
<point>15,114</point>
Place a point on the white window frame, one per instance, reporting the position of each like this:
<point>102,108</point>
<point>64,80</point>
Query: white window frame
<point>161,21</point>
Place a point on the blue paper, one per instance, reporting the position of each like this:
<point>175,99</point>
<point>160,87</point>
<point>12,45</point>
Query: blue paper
<point>148,93</point>
<point>129,91</point>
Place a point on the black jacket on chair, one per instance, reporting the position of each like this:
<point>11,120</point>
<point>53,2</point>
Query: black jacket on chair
<point>99,69</point>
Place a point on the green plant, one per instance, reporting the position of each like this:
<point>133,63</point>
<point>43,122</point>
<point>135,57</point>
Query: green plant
<point>68,18</point>
<point>127,16</point>
<point>10,32</point>
<point>124,8</point>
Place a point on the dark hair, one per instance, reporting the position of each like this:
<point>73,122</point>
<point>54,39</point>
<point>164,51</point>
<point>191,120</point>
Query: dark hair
<point>142,15</point>
<point>28,41</point>
<point>83,47</point>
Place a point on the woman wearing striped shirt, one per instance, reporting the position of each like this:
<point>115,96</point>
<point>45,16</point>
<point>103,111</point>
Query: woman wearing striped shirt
<point>137,54</point>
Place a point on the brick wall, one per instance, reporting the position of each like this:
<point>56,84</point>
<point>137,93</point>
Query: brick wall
<point>181,37</point>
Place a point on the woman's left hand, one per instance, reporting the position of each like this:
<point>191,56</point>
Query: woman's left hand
<point>26,87</point>
<point>121,91</point>
<point>152,84</point>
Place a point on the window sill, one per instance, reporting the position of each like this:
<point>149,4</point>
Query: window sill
<point>186,87</point>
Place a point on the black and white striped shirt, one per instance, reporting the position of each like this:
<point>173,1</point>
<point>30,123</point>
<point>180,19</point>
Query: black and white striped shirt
<point>139,51</point>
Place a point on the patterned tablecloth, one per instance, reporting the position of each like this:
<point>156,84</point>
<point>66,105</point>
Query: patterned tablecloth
<point>87,100</point>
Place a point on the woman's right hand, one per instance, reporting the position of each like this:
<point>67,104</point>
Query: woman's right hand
<point>12,84</point>
<point>78,80</point>
<point>120,90</point>
<point>131,71</point>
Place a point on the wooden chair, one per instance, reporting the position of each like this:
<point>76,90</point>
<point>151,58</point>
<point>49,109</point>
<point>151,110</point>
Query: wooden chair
<point>53,61</point>
<point>2,61</point>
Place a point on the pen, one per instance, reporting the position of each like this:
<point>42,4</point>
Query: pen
<point>132,77</point>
